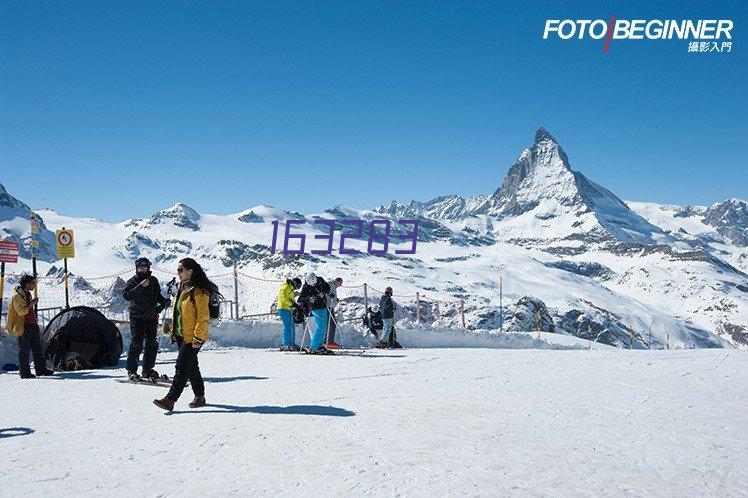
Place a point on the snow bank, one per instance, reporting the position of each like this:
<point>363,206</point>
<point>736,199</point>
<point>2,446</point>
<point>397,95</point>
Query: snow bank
<point>256,334</point>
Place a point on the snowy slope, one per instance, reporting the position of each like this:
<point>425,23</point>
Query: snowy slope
<point>406,423</point>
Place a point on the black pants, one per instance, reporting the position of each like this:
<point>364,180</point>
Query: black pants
<point>142,330</point>
<point>29,341</point>
<point>187,368</point>
<point>331,327</point>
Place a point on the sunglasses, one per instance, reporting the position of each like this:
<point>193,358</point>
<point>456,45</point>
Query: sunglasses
<point>181,269</point>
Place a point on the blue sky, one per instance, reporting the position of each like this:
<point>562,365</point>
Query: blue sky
<point>118,109</point>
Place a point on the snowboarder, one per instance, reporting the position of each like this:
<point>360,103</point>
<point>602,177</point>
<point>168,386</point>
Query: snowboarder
<point>191,317</point>
<point>332,323</point>
<point>387,307</point>
<point>314,293</point>
<point>373,320</point>
<point>23,323</point>
<point>286,305</point>
<point>146,302</point>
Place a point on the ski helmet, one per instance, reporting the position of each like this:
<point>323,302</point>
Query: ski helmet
<point>375,308</point>
<point>311,278</point>
<point>142,262</point>
<point>295,282</point>
<point>388,290</point>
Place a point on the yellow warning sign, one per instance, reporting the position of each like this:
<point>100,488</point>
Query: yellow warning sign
<point>65,243</point>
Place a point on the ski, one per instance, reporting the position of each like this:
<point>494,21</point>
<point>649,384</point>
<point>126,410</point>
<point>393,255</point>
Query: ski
<point>145,382</point>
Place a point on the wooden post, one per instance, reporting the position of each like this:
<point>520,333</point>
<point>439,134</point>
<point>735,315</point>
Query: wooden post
<point>501,304</point>
<point>418,307</point>
<point>589,336</point>
<point>366,299</point>
<point>462,312</point>
<point>236,293</point>
<point>667,341</point>
<point>537,322</point>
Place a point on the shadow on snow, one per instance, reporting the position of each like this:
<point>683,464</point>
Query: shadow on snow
<point>327,411</point>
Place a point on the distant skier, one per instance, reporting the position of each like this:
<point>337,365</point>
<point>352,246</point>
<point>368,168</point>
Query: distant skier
<point>23,323</point>
<point>286,305</point>
<point>332,323</point>
<point>191,318</point>
<point>314,293</point>
<point>387,307</point>
<point>373,321</point>
<point>146,302</point>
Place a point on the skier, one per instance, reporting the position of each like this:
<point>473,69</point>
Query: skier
<point>23,323</point>
<point>373,320</point>
<point>191,317</point>
<point>146,302</point>
<point>332,323</point>
<point>314,293</point>
<point>286,305</point>
<point>387,307</point>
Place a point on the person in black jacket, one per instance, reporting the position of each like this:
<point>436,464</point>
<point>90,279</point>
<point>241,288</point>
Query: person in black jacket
<point>387,308</point>
<point>146,302</point>
<point>314,293</point>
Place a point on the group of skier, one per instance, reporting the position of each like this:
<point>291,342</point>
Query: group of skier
<point>318,298</point>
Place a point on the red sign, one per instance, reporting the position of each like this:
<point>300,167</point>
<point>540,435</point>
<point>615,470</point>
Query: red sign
<point>8,252</point>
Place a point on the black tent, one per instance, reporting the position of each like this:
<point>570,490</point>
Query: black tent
<point>81,337</point>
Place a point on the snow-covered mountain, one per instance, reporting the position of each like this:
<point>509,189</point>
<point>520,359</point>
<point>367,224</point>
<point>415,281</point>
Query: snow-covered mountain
<point>575,259</point>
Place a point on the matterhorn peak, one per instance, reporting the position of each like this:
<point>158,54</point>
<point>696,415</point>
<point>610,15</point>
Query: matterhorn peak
<point>543,135</point>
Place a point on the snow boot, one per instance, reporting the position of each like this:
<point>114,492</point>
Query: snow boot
<point>28,376</point>
<point>382,345</point>
<point>197,402</point>
<point>153,376</point>
<point>292,347</point>
<point>333,345</point>
<point>164,403</point>
<point>134,377</point>
<point>319,350</point>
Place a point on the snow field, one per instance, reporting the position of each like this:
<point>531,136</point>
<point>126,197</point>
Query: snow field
<point>418,422</point>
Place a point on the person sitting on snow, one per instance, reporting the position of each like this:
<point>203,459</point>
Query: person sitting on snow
<point>373,320</point>
<point>285,306</point>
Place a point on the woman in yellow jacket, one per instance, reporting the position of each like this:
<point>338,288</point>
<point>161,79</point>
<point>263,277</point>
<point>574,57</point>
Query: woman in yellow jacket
<point>190,331</point>
<point>285,305</point>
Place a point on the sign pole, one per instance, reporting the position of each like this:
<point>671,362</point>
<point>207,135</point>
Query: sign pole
<point>65,250</point>
<point>67,295</point>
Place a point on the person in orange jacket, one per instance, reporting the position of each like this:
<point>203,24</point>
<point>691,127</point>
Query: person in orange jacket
<point>190,331</point>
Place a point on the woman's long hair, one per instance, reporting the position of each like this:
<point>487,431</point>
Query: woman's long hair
<point>199,279</point>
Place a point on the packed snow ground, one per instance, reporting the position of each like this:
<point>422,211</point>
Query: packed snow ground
<point>421,422</point>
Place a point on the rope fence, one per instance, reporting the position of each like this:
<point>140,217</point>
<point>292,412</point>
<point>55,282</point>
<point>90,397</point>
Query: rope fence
<point>245,296</point>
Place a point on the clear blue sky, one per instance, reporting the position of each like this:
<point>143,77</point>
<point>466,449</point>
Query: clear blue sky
<point>118,109</point>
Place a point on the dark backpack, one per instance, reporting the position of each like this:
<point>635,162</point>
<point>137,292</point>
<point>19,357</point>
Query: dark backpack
<point>214,304</point>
